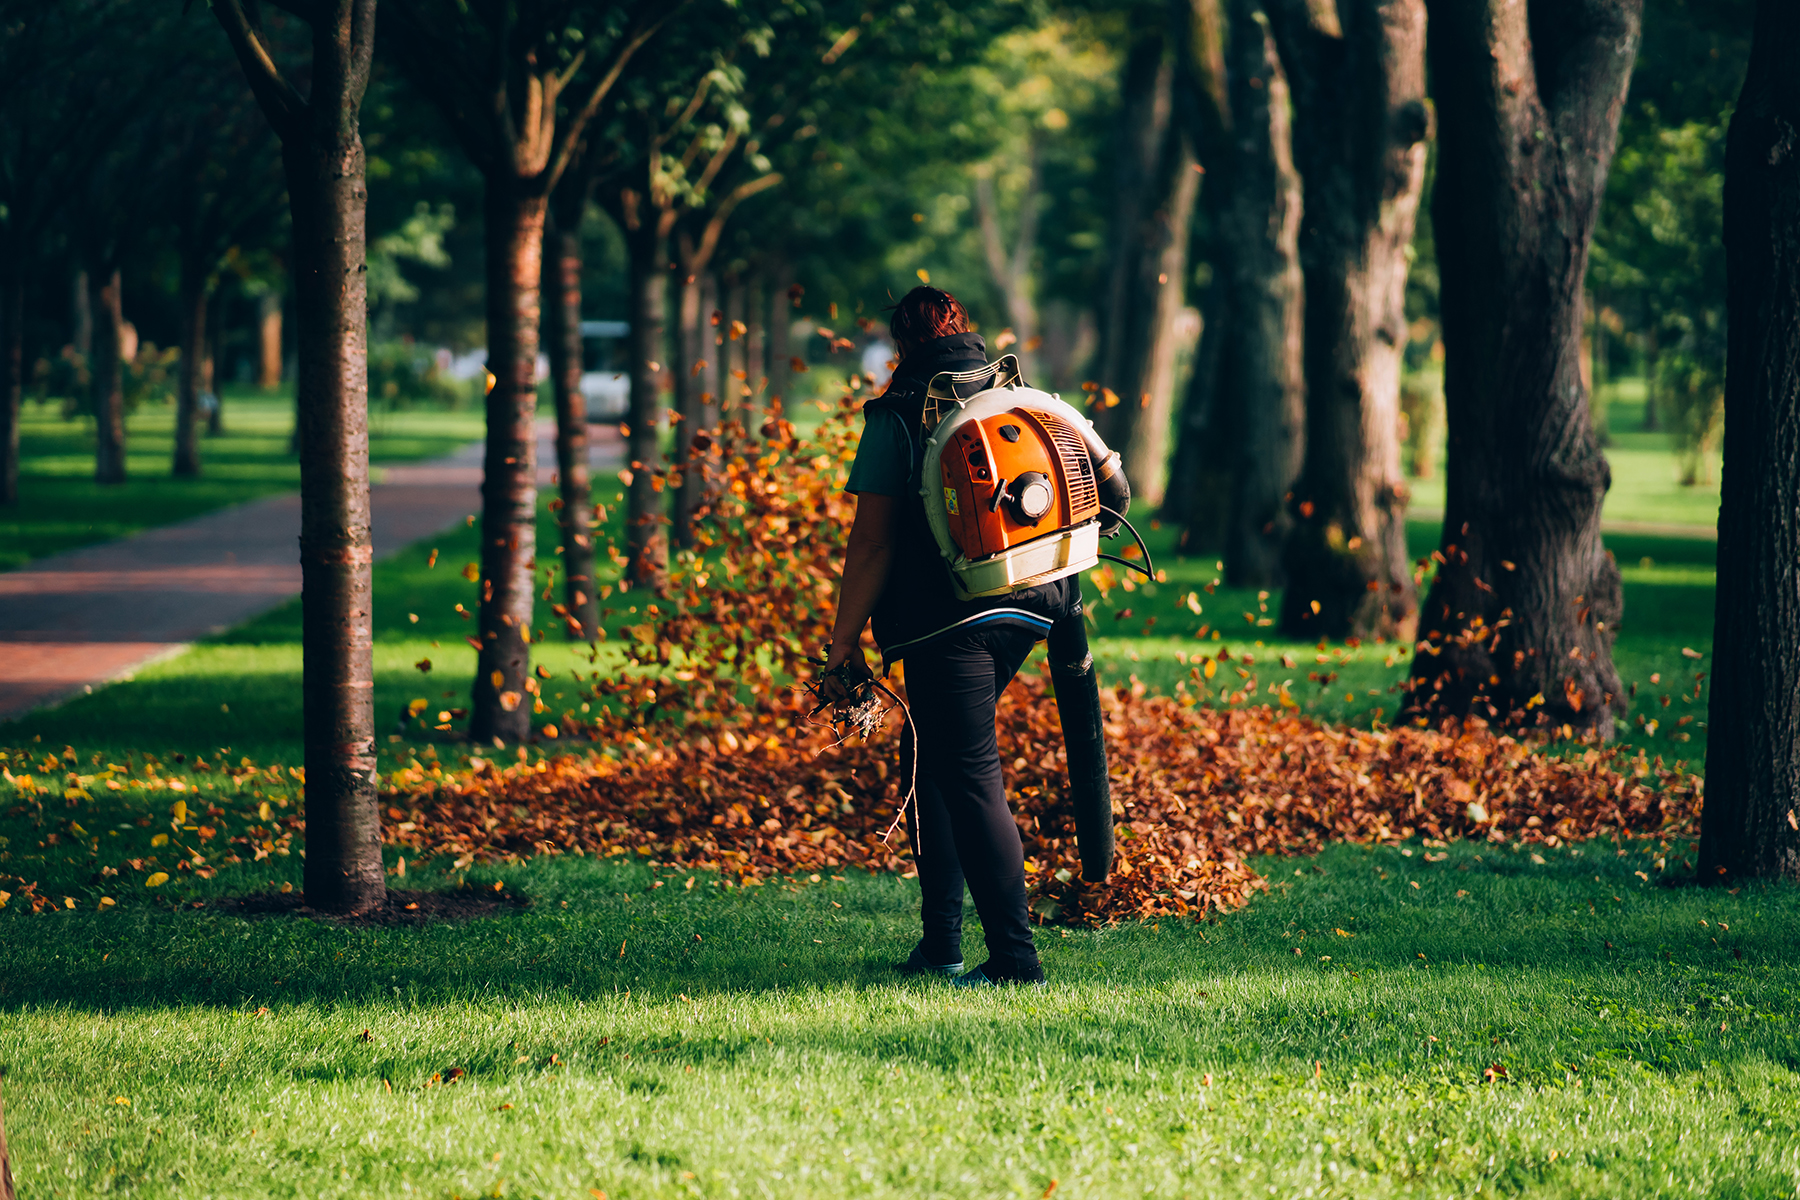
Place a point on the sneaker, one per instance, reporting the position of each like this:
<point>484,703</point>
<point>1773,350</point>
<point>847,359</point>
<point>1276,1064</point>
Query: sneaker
<point>916,964</point>
<point>979,978</point>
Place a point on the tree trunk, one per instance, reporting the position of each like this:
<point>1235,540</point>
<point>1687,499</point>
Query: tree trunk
<point>575,519</point>
<point>83,316</point>
<point>734,367</point>
<point>328,197</point>
<point>1011,268</point>
<point>108,376</point>
<point>12,373</point>
<point>1156,186</point>
<point>268,340</point>
<point>693,357</point>
<point>646,543</point>
<point>781,323</point>
<point>1520,621</point>
<point>501,703</point>
<point>1261,368</point>
<point>194,297</point>
<point>1749,826</point>
<point>1362,124</point>
<point>756,342</point>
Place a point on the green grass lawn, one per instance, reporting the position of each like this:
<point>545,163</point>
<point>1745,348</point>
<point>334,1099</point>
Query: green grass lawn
<point>1494,1024</point>
<point>637,1040</point>
<point>1646,485</point>
<point>61,507</point>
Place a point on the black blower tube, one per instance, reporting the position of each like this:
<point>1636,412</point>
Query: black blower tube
<point>1084,736</point>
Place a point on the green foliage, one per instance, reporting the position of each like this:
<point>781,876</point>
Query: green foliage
<point>405,374</point>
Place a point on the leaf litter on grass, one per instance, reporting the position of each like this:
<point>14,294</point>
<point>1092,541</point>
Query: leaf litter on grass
<point>711,762</point>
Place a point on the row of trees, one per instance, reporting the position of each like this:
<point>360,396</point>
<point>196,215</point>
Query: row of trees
<point>1296,135</point>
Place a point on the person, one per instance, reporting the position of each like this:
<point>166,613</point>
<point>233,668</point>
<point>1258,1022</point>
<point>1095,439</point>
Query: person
<point>958,655</point>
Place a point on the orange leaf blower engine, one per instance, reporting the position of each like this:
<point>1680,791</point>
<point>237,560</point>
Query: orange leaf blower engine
<point>1018,491</point>
<point>1018,487</point>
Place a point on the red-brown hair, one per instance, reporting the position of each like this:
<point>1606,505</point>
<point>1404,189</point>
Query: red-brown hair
<point>923,314</point>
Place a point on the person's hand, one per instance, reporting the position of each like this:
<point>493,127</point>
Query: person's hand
<point>833,689</point>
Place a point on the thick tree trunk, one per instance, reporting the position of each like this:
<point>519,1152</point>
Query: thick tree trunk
<point>1751,823</point>
<point>108,380</point>
<point>1520,621</point>
<point>502,701</point>
<point>1362,124</point>
<point>646,540</point>
<point>575,517</point>
<point>12,373</point>
<point>268,340</point>
<point>343,824</point>
<point>1155,191</point>
<point>1202,469</point>
<point>1261,368</point>
<point>194,297</point>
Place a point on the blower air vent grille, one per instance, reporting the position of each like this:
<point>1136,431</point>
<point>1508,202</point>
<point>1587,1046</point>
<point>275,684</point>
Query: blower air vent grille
<point>1084,495</point>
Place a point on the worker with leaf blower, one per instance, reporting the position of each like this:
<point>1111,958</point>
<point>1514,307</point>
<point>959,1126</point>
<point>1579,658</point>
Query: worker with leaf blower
<point>979,502</point>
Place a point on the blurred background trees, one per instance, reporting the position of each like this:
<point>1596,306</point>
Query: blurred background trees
<point>1210,221</point>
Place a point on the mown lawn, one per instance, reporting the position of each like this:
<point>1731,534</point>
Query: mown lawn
<point>1556,1023</point>
<point>61,507</point>
<point>1489,1023</point>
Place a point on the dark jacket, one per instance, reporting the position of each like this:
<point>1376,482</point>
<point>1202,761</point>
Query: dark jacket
<point>919,603</point>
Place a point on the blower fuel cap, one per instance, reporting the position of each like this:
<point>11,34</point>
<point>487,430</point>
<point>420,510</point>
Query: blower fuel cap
<point>1032,497</point>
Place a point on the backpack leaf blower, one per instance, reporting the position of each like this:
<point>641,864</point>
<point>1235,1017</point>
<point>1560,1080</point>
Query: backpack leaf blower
<point>1018,490</point>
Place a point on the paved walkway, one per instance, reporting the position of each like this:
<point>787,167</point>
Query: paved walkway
<point>79,620</point>
<point>1705,533</point>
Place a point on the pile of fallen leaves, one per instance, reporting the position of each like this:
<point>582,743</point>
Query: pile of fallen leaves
<point>710,761</point>
<point>1195,791</point>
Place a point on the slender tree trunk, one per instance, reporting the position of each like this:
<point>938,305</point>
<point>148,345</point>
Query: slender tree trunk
<point>1262,373</point>
<point>504,689</point>
<point>692,352</point>
<point>734,368</point>
<point>1749,825</point>
<point>756,341</point>
<point>646,540</point>
<point>194,297</point>
<point>1011,268</point>
<point>562,311</point>
<point>328,197</point>
<point>108,375</point>
<point>1362,125</point>
<point>1520,621</point>
<point>1155,197</point>
<point>268,341</point>
<point>322,157</point>
<point>83,316</point>
<point>12,373</point>
<point>781,323</point>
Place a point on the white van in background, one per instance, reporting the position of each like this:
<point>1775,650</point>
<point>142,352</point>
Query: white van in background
<point>606,369</point>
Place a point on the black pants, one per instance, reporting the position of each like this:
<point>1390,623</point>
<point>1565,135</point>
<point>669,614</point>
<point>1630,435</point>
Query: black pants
<point>964,832</point>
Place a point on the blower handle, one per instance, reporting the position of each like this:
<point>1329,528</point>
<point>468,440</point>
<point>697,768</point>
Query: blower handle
<point>1084,736</point>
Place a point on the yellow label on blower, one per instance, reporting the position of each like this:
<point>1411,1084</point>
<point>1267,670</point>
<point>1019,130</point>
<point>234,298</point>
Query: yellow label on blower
<point>950,504</point>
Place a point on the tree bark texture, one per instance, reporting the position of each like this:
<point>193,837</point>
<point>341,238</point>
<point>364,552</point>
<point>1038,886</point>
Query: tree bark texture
<point>503,697</point>
<point>108,379</point>
<point>1362,125</point>
<point>12,374</point>
<point>1154,198</point>
<point>575,518</point>
<point>194,295</point>
<point>322,156</point>
<point>646,537</point>
<point>1751,823</point>
<point>1520,621</point>
<point>1260,369</point>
